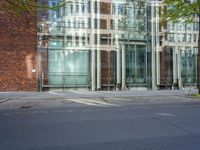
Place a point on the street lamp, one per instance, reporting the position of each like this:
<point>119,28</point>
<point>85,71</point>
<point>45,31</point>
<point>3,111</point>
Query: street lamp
<point>197,10</point>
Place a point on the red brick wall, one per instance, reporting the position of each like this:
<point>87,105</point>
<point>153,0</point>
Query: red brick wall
<point>163,66</point>
<point>18,50</point>
<point>107,67</point>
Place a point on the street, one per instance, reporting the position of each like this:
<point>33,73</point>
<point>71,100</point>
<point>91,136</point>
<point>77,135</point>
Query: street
<point>159,126</point>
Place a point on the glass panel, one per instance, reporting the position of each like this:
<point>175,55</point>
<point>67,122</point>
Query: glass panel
<point>56,65</point>
<point>76,67</point>
<point>69,67</point>
<point>140,69</point>
<point>136,64</point>
<point>55,43</point>
<point>188,66</point>
<point>170,64</point>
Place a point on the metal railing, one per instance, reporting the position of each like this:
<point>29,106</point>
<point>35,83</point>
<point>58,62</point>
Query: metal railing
<point>45,82</point>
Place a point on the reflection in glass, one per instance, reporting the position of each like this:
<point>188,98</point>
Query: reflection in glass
<point>69,67</point>
<point>188,66</point>
<point>136,64</point>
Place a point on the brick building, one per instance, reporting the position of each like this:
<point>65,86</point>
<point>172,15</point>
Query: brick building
<point>18,50</point>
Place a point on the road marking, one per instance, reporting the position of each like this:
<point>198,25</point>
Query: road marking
<point>83,102</point>
<point>165,114</point>
<point>99,102</point>
<point>119,98</point>
<point>108,92</point>
<point>55,93</point>
<point>3,100</point>
<point>92,102</point>
<point>85,92</point>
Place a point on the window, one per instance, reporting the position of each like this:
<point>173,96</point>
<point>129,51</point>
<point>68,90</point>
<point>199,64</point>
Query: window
<point>69,40</point>
<point>69,24</point>
<point>69,67</point>
<point>103,24</point>
<point>121,9</point>
<point>89,6</point>
<point>195,38</point>
<point>171,26</point>
<point>96,23</point>
<point>189,38</point>
<point>188,65</point>
<point>89,23</point>
<point>77,8</point>
<point>135,64</point>
<point>170,37</point>
<point>95,39</point>
<point>188,27</point>
<point>55,43</point>
<point>184,36</point>
<point>71,8</point>
<point>82,7</point>
<point>96,7</point>
<point>105,8</point>
<point>83,40</point>
<point>196,26</point>
<point>113,8</point>
<point>112,24</point>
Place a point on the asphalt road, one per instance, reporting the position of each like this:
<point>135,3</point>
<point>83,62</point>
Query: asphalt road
<point>130,127</point>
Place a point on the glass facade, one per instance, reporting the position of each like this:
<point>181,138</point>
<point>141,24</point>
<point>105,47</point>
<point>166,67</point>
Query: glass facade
<point>113,44</point>
<point>69,67</point>
<point>182,37</point>
<point>136,65</point>
<point>188,65</point>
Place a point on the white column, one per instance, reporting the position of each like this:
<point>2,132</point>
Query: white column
<point>98,67</point>
<point>157,53</point>
<point>98,52</point>
<point>179,70</point>
<point>175,71</point>
<point>118,66</point>
<point>118,52</point>
<point>123,68</point>
<point>153,47</point>
<point>158,68</point>
<point>93,70</point>
<point>93,60</point>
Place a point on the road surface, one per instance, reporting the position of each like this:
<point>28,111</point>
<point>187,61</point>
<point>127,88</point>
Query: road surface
<point>167,126</point>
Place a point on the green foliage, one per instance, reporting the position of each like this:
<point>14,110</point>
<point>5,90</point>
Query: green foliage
<point>19,7</point>
<point>197,96</point>
<point>185,10</point>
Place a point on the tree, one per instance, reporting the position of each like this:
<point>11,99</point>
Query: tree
<point>19,7</point>
<point>188,11</point>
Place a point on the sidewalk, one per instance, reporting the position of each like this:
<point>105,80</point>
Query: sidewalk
<point>88,98</point>
<point>86,94</point>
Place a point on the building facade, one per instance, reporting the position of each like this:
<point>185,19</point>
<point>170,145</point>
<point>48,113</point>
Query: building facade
<point>99,45</point>
<point>179,53</point>
<point>105,45</point>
